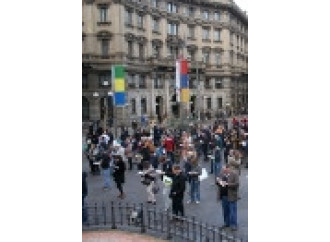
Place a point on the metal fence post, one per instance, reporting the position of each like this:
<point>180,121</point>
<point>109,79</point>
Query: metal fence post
<point>194,228</point>
<point>127,214</point>
<point>113,217</point>
<point>168,225</point>
<point>155,219</point>
<point>95,214</point>
<point>120,209</point>
<point>207,239</point>
<point>104,213</point>
<point>143,229</point>
<point>162,222</point>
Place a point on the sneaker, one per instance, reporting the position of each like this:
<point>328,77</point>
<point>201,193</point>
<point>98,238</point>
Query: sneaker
<point>188,202</point>
<point>198,202</point>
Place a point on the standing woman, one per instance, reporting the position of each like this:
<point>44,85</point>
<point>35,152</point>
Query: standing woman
<point>119,174</point>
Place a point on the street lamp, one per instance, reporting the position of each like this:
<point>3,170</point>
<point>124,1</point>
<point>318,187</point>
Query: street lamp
<point>106,95</point>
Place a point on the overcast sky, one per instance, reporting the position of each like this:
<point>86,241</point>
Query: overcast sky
<point>242,4</point>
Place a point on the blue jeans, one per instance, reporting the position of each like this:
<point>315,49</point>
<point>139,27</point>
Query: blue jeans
<point>225,210</point>
<point>217,168</point>
<point>195,191</point>
<point>106,178</point>
<point>232,213</point>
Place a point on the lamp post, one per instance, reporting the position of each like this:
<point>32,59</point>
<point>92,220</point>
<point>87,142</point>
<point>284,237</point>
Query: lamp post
<point>105,103</point>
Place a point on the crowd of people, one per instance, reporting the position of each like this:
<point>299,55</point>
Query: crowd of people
<point>169,160</point>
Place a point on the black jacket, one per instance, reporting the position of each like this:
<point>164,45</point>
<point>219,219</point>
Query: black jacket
<point>119,172</point>
<point>105,164</point>
<point>178,187</point>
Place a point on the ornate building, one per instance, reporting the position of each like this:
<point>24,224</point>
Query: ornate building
<point>147,36</point>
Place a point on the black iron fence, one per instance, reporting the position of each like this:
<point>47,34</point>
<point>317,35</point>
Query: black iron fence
<point>143,218</point>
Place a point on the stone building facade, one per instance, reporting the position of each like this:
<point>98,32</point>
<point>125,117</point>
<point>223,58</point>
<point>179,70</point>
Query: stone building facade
<point>147,36</point>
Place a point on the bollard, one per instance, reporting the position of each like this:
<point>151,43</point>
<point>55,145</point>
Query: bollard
<point>113,217</point>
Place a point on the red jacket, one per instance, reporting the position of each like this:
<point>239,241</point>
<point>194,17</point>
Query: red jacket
<point>169,144</point>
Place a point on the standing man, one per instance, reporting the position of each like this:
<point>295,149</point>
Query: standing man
<point>228,184</point>
<point>177,191</point>
<point>105,164</point>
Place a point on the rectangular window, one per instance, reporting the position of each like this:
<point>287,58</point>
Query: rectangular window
<point>207,83</point>
<point>103,13</point>
<point>219,102</point>
<point>172,28</point>
<point>216,34</point>
<point>130,49</point>
<point>191,54</point>
<point>173,51</point>
<point>129,17</point>
<point>104,47</point>
<point>206,57</point>
<point>84,81</point>
<point>155,51</point>
<point>191,12</point>
<point>154,3</point>
<point>158,84</point>
<point>217,58</point>
<point>133,105</point>
<point>141,51</point>
<point>206,33</point>
<point>105,80</point>
<point>192,83</point>
<point>218,83</point>
<point>140,21</point>
<point>191,32</point>
<point>171,7</point>
<point>155,24</point>
<point>143,105</point>
<point>209,103</point>
<point>216,16</point>
<point>130,81</point>
<point>206,15</point>
<point>142,81</point>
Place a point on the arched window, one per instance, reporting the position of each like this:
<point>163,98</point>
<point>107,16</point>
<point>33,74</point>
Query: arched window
<point>85,109</point>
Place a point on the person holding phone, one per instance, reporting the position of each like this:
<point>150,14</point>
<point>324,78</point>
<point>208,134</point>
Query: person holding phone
<point>228,184</point>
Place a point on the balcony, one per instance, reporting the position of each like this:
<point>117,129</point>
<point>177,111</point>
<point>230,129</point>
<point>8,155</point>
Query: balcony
<point>104,23</point>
